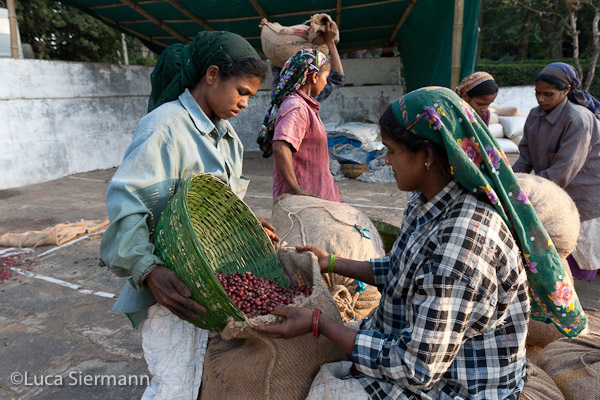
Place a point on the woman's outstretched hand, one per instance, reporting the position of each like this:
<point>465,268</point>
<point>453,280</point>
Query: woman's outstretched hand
<point>321,254</point>
<point>270,230</point>
<point>297,321</point>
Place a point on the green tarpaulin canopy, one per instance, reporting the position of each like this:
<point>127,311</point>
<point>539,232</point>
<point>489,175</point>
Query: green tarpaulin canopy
<point>423,30</point>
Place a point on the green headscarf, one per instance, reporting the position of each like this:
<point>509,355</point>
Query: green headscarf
<point>478,163</point>
<point>181,66</point>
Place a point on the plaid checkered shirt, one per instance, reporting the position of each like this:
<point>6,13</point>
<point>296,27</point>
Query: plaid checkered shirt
<point>452,321</point>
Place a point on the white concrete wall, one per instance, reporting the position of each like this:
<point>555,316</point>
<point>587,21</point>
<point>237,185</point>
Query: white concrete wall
<point>522,97</point>
<point>60,118</point>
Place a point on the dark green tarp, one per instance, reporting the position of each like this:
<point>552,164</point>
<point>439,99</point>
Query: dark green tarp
<point>424,40</point>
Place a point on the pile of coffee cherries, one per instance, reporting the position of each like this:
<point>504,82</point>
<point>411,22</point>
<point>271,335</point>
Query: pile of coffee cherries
<point>9,261</point>
<point>255,295</point>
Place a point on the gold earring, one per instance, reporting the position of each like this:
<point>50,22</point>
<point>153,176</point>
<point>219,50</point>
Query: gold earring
<point>427,166</point>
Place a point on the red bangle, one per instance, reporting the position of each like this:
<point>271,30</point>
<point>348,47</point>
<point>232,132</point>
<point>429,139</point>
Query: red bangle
<point>315,324</point>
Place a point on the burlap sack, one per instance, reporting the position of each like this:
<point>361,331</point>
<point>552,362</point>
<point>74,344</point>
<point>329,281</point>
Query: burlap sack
<point>319,26</point>
<point>574,366</point>
<point>281,42</point>
<point>245,364</point>
<point>556,210</point>
<point>509,111</point>
<point>558,213</point>
<point>54,236</point>
<point>539,385</point>
<point>332,226</point>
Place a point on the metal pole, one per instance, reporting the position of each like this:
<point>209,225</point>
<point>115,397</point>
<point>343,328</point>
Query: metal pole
<point>459,9</point>
<point>12,22</point>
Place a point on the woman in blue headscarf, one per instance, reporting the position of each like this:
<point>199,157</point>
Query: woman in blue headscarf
<point>561,142</point>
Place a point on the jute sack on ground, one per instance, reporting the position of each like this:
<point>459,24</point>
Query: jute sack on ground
<point>54,236</point>
<point>574,366</point>
<point>245,364</point>
<point>539,385</point>
<point>558,214</point>
<point>336,228</point>
<point>281,42</point>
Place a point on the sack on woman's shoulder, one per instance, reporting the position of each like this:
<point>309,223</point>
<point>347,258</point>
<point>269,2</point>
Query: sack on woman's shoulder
<point>318,27</point>
<point>281,42</point>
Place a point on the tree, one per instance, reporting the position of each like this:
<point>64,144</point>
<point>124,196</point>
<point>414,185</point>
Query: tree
<point>58,31</point>
<point>566,14</point>
<point>512,32</point>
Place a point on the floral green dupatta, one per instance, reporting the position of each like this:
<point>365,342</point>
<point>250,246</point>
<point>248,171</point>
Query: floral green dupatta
<point>478,163</point>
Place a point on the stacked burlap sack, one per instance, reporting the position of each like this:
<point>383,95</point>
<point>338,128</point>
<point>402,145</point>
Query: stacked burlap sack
<point>574,366</point>
<point>558,368</point>
<point>281,42</point>
<point>539,385</point>
<point>243,364</point>
<point>339,229</point>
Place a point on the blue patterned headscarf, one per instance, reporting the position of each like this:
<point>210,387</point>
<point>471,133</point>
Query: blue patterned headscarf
<point>568,75</point>
<point>293,75</point>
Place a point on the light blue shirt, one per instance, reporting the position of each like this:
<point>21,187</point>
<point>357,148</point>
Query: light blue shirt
<point>173,142</point>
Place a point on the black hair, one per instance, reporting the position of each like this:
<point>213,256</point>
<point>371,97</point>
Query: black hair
<point>391,129</point>
<point>319,72</point>
<point>323,66</point>
<point>250,67</point>
<point>485,88</point>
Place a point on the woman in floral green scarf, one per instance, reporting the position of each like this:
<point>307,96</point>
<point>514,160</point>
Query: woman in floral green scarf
<point>478,164</point>
<point>472,260</point>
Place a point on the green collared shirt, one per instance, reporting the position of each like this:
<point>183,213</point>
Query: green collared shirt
<point>170,144</point>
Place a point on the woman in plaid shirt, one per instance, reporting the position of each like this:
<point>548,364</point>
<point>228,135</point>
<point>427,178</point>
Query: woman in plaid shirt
<point>453,315</point>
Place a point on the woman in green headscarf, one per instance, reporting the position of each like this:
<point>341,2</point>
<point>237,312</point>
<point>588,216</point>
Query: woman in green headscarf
<point>196,88</point>
<point>452,321</point>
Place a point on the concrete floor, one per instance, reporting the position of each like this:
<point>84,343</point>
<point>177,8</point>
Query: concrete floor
<point>56,337</point>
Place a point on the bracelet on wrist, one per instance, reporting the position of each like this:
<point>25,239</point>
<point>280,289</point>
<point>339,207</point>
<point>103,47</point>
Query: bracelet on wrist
<point>296,191</point>
<point>331,263</point>
<point>147,272</point>
<point>315,323</point>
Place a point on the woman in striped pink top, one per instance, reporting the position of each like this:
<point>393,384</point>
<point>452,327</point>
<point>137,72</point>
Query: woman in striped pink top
<point>294,132</point>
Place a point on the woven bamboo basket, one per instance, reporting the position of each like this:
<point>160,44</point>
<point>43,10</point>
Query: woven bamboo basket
<point>206,229</point>
<point>353,170</point>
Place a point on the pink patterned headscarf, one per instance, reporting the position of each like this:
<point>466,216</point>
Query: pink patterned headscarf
<point>471,81</point>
